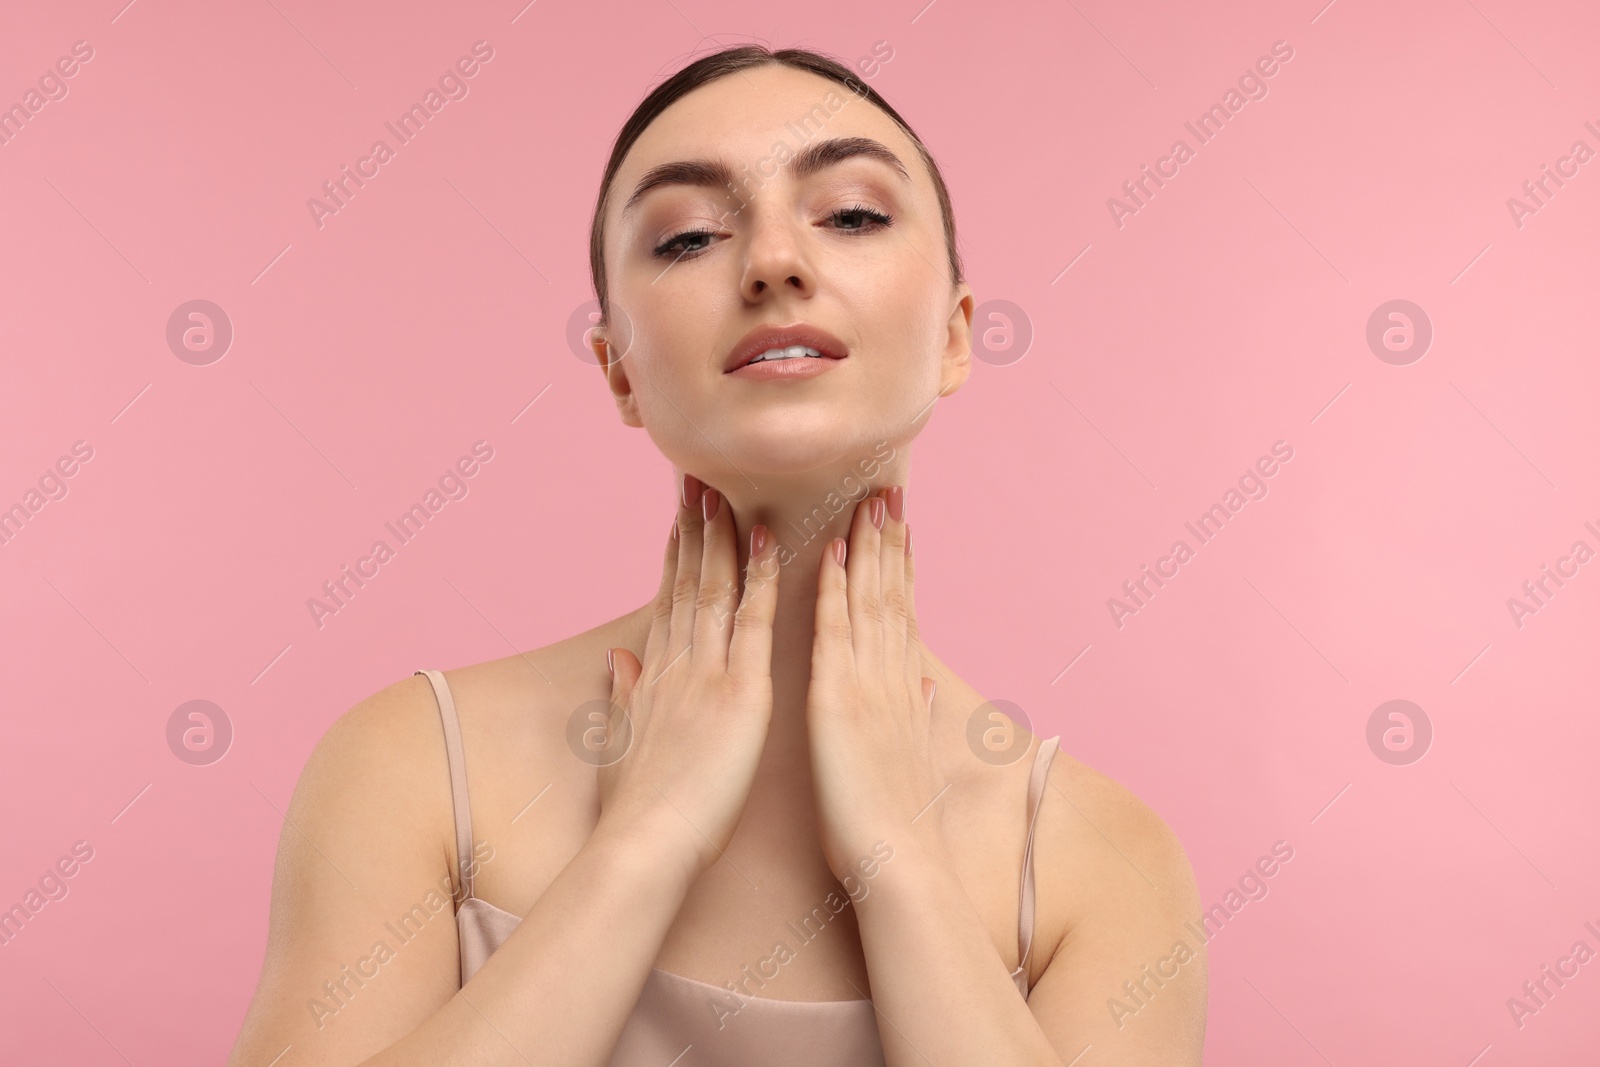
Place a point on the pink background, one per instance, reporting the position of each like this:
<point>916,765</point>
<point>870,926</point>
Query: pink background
<point>1229,313</point>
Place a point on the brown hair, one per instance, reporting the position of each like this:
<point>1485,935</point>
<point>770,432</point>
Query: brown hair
<point>720,64</point>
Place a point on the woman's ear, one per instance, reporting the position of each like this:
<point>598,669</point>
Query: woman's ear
<point>956,363</point>
<point>613,367</point>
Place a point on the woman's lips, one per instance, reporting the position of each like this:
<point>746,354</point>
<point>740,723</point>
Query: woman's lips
<point>785,369</point>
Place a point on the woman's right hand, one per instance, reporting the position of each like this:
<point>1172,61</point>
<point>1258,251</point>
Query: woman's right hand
<point>689,723</point>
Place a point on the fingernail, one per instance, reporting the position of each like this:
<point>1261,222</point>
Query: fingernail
<point>691,489</point>
<point>758,539</point>
<point>875,511</point>
<point>710,501</point>
<point>896,497</point>
<point>908,539</point>
<point>838,550</point>
<point>674,529</point>
<point>933,689</point>
<point>611,667</point>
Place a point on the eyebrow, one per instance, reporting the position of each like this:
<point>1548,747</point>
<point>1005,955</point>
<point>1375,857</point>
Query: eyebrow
<point>809,160</point>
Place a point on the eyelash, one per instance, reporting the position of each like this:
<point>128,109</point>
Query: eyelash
<point>664,250</point>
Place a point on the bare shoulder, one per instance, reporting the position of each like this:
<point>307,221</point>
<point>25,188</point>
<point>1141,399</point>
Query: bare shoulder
<point>1097,840</point>
<point>366,767</point>
<point>369,836</point>
<point>532,796</point>
<point>1121,964</point>
<point>362,841</point>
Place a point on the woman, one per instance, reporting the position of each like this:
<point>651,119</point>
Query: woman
<point>784,848</point>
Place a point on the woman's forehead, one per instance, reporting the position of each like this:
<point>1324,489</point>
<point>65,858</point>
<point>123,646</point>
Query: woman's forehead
<point>743,118</point>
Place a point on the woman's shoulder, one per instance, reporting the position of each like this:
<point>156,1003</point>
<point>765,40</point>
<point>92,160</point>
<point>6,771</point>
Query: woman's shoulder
<point>1100,849</point>
<point>527,695</point>
<point>512,712</point>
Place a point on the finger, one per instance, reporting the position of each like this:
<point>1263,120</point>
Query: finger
<point>892,579</point>
<point>862,568</point>
<point>750,648</point>
<point>913,632</point>
<point>832,654</point>
<point>619,727</point>
<point>661,610</point>
<point>686,587</point>
<point>719,592</point>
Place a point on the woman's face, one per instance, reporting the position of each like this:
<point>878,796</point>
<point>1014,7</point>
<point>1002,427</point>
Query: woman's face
<point>781,248</point>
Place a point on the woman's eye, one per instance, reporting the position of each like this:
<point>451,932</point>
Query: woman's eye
<point>686,245</point>
<point>863,217</point>
<point>674,247</point>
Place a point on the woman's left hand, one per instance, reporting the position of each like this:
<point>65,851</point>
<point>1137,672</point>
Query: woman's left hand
<point>868,708</point>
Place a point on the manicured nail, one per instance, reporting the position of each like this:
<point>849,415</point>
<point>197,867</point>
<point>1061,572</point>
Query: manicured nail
<point>674,529</point>
<point>908,539</point>
<point>691,489</point>
<point>611,667</point>
<point>875,511</point>
<point>933,687</point>
<point>758,539</point>
<point>710,501</point>
<point>896,497</point>
<point>838,550</point>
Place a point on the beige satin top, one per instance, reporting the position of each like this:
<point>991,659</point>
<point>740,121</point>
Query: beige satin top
<point>684,1022</point>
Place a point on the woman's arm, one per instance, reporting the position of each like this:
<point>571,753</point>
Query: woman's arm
<point>941,991</point>
<point>362,961</point>
<point>362,964</point>
<point>1126,987</point>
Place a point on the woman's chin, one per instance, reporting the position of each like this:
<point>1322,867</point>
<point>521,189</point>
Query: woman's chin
<point>791,450</point>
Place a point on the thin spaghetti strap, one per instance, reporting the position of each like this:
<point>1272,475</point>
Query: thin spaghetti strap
<point>1025,907</point>
<point>458,778</point>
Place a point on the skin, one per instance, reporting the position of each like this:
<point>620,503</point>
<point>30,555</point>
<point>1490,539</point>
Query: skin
<point>848,750</point>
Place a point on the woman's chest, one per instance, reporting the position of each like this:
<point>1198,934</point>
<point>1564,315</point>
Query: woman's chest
<point>769,918</point>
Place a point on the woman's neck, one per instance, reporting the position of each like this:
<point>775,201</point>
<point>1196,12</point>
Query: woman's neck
<point>782,799</point>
